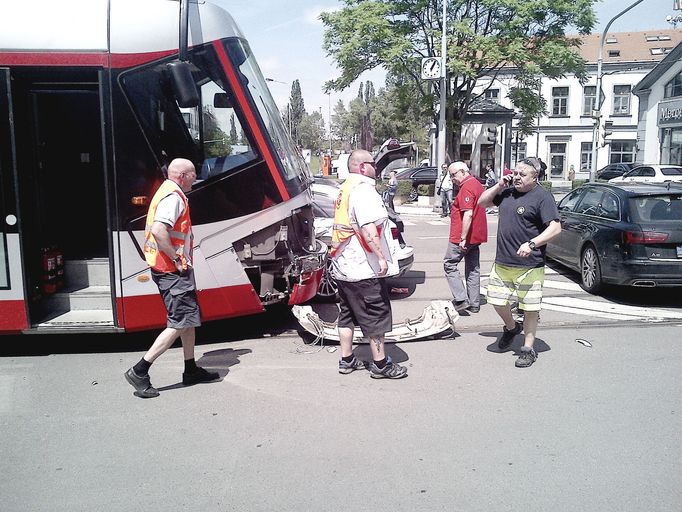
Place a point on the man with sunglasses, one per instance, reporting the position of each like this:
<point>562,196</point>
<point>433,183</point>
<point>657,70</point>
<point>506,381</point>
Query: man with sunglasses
<point>361,259</point>
<point>528,219</point>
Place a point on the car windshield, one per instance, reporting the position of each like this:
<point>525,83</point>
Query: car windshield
<point>671,171</point>
<point>656,208</point>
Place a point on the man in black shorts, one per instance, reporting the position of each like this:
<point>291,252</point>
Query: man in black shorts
<point>361,259</point>
<point>168,251</point>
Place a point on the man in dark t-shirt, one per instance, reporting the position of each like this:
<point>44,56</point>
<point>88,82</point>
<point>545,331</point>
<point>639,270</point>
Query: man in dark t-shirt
<point>528,219</point>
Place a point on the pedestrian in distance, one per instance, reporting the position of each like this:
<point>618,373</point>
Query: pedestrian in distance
<point>391,189</point>
<point>528,219</point>
<point>468,229</point>
<point>361,259</point>
<point>490,176</point>
<point>445,190</point>
<point>168,251</point>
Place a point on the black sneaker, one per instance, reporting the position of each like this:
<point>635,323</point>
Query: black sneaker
<point>390,371</point>
<point>527,357</point>
<point>474,309</point>
<point>355,364</point>
<point>460,305</point>
<point>508,336</point>
<point>197,376</point>
<point>143,385</point>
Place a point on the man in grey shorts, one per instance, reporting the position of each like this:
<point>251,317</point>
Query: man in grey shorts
<point>361,259</point>
<point>168,251</point>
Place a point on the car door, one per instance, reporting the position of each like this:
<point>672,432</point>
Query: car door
<point>559,247</point>
<point>581,224</point>
<point>607,234</point>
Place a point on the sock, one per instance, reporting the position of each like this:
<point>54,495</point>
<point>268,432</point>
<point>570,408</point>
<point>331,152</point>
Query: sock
<point>381,364</point>
<point>348,359</point>
<point>190,366</point>
<point>142,368</point>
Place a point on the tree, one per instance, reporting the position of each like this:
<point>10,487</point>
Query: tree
<point>311,131</point>
<point>484,37</point>
<point>296,110</point>
<point>341,130</point>
<point>216,142</point>
<point>233,130</point>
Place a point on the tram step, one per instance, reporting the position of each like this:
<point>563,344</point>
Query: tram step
<point>89,298</point>
<point>97,317</point>
<point>91,272</point>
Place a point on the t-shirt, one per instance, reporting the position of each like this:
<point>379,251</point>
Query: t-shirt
<point>522,216</point>
<point>354,263</point>
<point>470,191</point>
<point>446,181</point>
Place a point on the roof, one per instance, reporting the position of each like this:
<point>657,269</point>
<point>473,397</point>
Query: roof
<point>655,74</point>
<point>486,105</point>
<point>645,46</point>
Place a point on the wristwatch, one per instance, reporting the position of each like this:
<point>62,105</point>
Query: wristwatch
<point>176,259</point>
<point>531,244</point>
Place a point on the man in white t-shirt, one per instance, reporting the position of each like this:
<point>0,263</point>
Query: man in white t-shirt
<point>362,257</point>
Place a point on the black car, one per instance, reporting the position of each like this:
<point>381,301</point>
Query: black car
<point>614,170</point>
<point>418,176</point>
<point>626,234</point>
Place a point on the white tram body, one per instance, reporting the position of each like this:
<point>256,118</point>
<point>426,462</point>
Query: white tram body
<point>91,113</point>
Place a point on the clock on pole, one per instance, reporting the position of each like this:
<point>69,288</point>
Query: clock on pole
<point>432,68</point>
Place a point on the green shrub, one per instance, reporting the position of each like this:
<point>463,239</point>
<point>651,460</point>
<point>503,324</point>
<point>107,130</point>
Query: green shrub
<point>426,190</point>
<point>578,183</point>
<point>404,189</point>
<point>547,185</point>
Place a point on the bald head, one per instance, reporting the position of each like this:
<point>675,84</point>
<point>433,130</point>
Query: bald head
<point>458,171</point>
<point>182,172</point>
<point>360,161</point>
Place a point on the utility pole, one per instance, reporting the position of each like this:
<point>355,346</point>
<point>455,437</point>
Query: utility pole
<point>596,113</point>
<point>440,155</point>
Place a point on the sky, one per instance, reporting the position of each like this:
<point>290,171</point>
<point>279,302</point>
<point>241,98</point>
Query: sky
<point>286,37</point>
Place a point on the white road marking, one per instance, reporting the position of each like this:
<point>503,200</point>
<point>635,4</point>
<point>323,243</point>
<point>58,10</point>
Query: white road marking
<point>560,285</point>
<point>408,223</point>
<point>433,237</point>
<point>436,222</point>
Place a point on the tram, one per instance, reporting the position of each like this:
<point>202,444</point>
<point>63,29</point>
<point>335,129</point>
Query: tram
<point>96,98</point>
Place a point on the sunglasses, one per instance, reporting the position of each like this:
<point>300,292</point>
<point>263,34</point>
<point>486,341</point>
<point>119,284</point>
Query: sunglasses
<point>373,164</point>
<point>528,161</point>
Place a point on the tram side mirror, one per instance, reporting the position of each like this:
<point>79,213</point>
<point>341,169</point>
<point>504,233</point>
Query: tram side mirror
<point>222,100</point>
<point>184,87</point>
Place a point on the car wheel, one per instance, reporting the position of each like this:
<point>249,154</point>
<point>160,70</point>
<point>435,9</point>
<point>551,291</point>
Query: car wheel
<point>590,270</point>
<point>413,194</point>
<point>328,288</point>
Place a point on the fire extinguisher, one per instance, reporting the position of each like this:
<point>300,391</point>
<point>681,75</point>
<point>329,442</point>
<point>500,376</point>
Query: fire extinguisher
<point>59,266</point>
<point>49,268</point>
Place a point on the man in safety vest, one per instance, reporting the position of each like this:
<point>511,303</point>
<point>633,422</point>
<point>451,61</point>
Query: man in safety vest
<point>168,251</point>
<point>361,259</point>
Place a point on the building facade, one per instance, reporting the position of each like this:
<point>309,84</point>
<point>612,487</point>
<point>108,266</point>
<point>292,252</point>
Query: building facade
<point>563,137</point>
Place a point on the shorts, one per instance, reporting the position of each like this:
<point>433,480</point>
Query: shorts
<point>178,291</point>
<point>525,283</point>
<point>365,304</point>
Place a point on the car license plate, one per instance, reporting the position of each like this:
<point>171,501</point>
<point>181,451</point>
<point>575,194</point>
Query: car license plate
<point>679,251</point>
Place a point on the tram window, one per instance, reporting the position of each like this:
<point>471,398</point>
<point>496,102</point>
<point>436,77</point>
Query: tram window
<point>212,135</point>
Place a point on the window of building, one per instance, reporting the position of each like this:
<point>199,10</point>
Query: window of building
<point>660,51</point>
<point>658,38</point>
<point>621,99</point>
<point>585,156</point>
<point>622,151</point>
<point>493,95</point>
<point>671,148</point>
<point>674,87</point>
<point>518,152</point>
<point>557,160</point>
<point>559,101</point>
<point>611,40</point>
<point>614,53</point>
<point>589,99</point>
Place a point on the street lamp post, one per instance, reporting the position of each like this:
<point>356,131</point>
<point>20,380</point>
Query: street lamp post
<point>596,113</point>
<point>288,103</point>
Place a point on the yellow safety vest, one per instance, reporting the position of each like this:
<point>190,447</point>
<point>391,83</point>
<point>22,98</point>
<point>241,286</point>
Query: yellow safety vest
<point>343,229</point>
<point>157,259</point>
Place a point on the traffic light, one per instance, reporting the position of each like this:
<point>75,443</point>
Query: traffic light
<point>491,133</point>
<point>608,130</point>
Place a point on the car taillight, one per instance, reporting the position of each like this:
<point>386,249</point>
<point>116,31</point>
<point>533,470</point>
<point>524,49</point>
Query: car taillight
<point>645,237</point>
<point>395,233</point>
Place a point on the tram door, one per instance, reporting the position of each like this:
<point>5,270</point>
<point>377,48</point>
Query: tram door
<point>62,197</point>
<point>13,317</point>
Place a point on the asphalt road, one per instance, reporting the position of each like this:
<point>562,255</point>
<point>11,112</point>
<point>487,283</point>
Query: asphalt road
<point>585,428</point>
